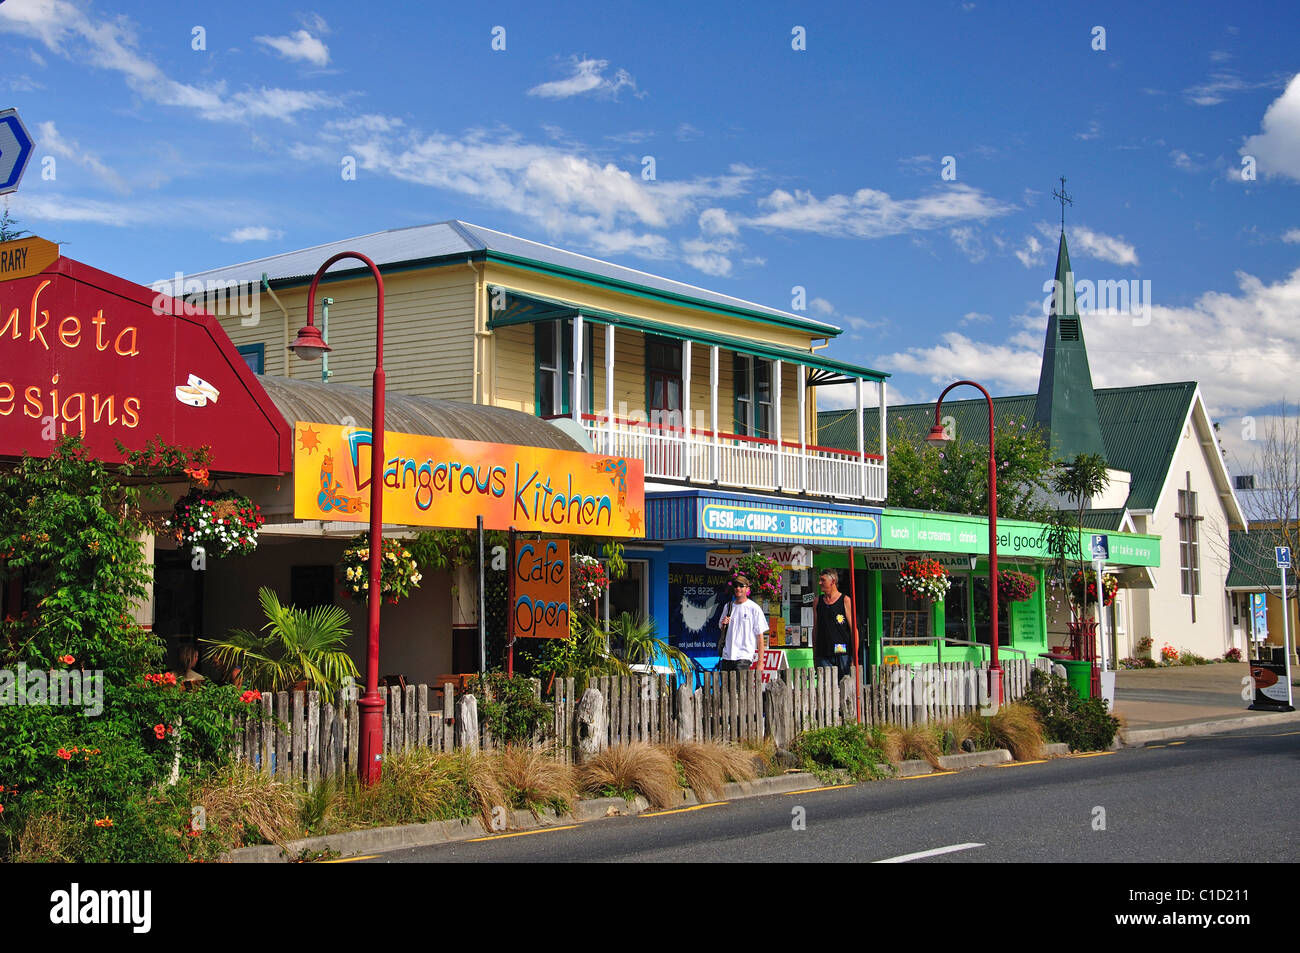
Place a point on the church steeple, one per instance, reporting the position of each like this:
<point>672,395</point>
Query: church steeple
<point>1066,407</point>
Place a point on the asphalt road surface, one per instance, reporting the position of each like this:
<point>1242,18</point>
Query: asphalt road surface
<point>1182,801</point>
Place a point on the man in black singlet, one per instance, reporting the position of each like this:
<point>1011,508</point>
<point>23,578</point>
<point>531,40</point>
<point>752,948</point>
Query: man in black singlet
<point>832,629</point>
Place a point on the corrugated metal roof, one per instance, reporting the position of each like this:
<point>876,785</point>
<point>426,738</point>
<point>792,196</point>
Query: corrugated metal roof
<point>334,403</point>
<point>419,243</point>
<point>1141,427</point>
<point>1252,563</point>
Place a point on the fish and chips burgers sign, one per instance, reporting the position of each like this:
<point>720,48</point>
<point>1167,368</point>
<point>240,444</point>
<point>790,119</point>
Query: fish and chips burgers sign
<point>436,481</point>
<point>86,353</point>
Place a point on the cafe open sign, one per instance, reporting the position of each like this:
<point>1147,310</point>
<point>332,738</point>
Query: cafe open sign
<point>541,604</point>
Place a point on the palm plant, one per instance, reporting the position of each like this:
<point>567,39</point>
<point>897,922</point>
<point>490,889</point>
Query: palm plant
<point>639,644</point>
<point>296,645</point>
<point>1078,481</point>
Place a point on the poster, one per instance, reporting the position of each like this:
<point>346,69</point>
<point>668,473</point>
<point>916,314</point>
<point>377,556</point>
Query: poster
<point>696,598</point>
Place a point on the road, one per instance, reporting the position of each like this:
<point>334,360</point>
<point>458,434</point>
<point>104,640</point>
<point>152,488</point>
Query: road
<point>1178,802</point>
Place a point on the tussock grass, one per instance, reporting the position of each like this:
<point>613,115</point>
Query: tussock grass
<point>765,752</point>
<point>708,766</point>
<point>1016,727</point>
<point>533,778</point>
<point>640,767</point>
<point>239,799</point>
<point>46,837</point>
<point>421,786</point>
<point>913,742</point>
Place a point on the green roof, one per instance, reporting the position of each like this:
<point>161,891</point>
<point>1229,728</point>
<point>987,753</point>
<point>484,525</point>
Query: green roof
<point>1252,562</point>
<point>1140,427</point>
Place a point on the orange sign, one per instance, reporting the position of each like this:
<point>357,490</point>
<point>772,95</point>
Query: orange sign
<point>434,481</point>
<point>541,607</point>
<point>27,256</point>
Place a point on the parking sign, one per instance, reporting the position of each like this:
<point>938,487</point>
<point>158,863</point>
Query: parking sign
<point>1283,554</point>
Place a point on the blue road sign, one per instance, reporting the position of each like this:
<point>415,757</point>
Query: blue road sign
<point>15,150</point>
<point>1100,546</point>
<point>1283,554</point>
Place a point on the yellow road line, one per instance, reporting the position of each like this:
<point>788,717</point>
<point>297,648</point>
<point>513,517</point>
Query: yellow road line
<point>1017,764</point>
<point>932,774</point>
<point>348,860</point>
<point>1091,754</point>
<point>1172,743</point>
<point>1155,746</point>
<point>1286,733</point>
<point>829,787</point>
<point>544,830</point>
<point>683,810</point>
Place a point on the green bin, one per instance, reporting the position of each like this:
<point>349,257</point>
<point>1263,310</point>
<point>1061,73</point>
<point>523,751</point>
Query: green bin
<point>1079,675</point>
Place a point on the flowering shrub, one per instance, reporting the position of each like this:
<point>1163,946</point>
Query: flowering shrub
<point>587,581</point>
<point>924,579</point>
<point>1083,588</point>
<point>1015,586</point>
<point>1133,663</point>
<point>222,523</point>
<point>763,573</point>
<point>1143,645</point>
<point>1232,655</point>
<point>1168,654</point>
<point>398,573</point>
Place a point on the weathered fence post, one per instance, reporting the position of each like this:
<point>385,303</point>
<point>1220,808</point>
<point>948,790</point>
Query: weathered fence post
<point>591,725</point>
<point>685,714</point>
<point>777,709</point>
<point>848,701</point>
<point>467,723</point>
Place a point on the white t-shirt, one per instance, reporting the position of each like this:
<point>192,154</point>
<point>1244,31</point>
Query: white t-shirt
<point>746,627</point>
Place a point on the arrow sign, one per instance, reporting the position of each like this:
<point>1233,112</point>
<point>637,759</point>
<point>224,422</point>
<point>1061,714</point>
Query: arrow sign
<point>15,150</point>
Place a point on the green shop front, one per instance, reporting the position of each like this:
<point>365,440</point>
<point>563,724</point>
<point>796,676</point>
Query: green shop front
<point>901,629</point>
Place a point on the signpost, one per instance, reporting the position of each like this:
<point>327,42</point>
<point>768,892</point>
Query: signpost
<point>1283,554</point>
<point>15,150</point>
<point>1100,553</point>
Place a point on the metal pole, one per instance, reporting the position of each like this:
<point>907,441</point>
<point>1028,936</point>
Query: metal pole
<point>510,607</point>
<point>1286,640</point>
<point>853,618</point>
<point>482,604</point>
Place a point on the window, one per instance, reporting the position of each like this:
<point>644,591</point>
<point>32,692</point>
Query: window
<point>752,381</point>
<point>1246,482</point>
<point>553,351</point>
<point>1189,548</point>
<point>255,355</point>
<point>663,373</point>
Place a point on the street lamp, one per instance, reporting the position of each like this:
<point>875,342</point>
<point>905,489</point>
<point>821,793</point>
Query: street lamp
<point>938,437</point>
<point>310,346</point>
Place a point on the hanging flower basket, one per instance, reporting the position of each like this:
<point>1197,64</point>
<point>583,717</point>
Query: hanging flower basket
<point>222,524</point>
<point>763,573</point>
<point>1083,588</point>
<point>587,581</point>
<point>1014,586</point>
<point>924,579</point>
<point>398,571</point>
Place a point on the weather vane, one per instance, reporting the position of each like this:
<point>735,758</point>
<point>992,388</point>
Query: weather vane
<point>1064,198</point>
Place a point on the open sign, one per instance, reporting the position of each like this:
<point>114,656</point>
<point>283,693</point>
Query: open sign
<point>541,584</point>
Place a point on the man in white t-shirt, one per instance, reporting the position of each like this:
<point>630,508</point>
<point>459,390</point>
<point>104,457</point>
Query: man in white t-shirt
<point>746,626</point>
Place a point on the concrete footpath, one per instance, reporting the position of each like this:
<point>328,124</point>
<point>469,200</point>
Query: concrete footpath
<point>1160,703</point>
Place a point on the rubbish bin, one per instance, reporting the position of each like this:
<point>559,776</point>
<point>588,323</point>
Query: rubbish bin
<point>1079,675</point>
<point>1270,686</point>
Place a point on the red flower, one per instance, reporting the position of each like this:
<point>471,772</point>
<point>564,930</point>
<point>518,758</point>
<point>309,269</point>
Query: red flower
<point>104,822</point>
<point>66,659</point>
<point>64,753</point>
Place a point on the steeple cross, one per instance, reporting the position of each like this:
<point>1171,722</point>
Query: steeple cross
<point>1064,198</point>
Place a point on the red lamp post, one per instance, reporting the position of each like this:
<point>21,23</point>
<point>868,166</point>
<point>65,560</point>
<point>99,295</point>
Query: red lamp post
<point>939,437</point>
<point>310,346</point>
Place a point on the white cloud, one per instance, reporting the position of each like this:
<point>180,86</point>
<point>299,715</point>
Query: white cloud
<point>198,213</point>
<point>714,221</point>
<point>976,317</point>
<point>298,45</point>
<point>632,136</point>
<point>967,239</point>
<point>686,132</point>
<point>1240,346</point>
<point>870,213</point>
<point>822,307</point>
<point>1032,253</point>
<point>252,233</point>
<point>1292,236</point>
<point>1218,87</point>
<point>1182,160</point>
<point>50,138</point>
<point>1277,148</point>
<point>1092,132</point>
<point>1086,243</point>
<point>67,29</point>
<point>845,397</point>
<point>588,76</point>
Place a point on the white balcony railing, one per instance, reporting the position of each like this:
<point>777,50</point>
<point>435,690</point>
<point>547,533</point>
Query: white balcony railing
<point>731,460</point>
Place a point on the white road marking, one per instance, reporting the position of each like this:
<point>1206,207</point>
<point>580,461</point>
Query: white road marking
<point>953,848</point>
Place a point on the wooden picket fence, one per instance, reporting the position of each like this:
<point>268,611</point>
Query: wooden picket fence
<point>300,736</point>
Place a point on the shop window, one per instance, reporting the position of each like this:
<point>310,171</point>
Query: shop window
<point>752,382</point>
<point>904,621</point>
<point>255,356</point>
<point>981,615</point>
<point>956,609</point>
<point>553,353</point>
<point>663,373</point>
<point>311,586</point>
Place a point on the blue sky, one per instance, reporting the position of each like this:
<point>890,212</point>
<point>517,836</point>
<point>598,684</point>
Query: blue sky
<point>774,167</point>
